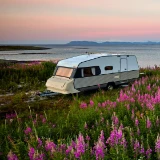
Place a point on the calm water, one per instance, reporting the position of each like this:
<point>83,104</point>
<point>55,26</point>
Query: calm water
<point>147,55</point>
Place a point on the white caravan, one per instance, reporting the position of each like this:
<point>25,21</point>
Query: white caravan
<point>92,71</point>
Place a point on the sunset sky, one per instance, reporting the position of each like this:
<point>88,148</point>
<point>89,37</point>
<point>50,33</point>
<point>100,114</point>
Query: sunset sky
<point>61,21</point>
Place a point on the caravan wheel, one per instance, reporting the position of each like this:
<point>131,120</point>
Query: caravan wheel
<point>110,86</point>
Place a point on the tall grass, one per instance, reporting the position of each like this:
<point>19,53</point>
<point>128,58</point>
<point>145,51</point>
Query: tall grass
<point>24,76</point>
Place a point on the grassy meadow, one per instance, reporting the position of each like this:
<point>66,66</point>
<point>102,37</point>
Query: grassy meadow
<point>120,124</point>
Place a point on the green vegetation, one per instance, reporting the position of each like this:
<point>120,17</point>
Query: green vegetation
<point>12,48</point>
<point>119,124</point>
<point>25,76</point>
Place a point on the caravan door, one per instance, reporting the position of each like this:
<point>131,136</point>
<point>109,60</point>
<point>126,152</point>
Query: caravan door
<point>124,69</point>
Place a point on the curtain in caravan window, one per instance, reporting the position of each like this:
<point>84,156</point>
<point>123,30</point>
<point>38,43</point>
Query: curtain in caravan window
<point>82,72</point>
<point>93,71</point>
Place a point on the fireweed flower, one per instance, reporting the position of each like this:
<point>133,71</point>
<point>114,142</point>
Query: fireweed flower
<point>33,155</point>
<point>10,116</point>
<point>99,147</point>
<point>39,142</point>
<point>157,147</point>
<point>101,137</point>
<point>99,105</point>
<point>73,144</point>
<point>83,105</point>
<point>142,151</point>
<point>148,123</point>
<point>12,156</point>
<point>116,137</point>
<point>115,119</point>
<point>128,107</point>
<point>148,152</point>
<point>50,146</point>
<point>136,146</point>
<point>44,120</point>
<point>149,87</point>
<point>88,138</point>
<point>136,122</point>
<point>69,149</point>
<point>80,146</point>
<point>28,130</point>
<point>62,148</point>
<point>91,103</point>
<point>103,104</point>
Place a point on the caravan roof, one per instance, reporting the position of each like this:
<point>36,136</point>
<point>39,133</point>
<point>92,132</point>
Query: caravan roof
<point>75,61</point>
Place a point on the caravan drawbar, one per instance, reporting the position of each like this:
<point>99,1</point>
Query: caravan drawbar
<point>92,71</point>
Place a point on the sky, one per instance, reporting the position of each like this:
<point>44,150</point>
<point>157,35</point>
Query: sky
<point>61,21</point>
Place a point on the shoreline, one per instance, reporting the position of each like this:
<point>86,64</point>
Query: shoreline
<point>4,61</point>
<point>13,48</point>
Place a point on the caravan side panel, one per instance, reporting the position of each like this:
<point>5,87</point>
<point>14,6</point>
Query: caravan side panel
<point>105,76</point>
<point>133,68</point>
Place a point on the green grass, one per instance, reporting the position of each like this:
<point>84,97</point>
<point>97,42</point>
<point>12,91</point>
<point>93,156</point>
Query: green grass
<point>62,119</point>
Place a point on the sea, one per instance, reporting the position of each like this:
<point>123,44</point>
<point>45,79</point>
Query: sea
<point>147,55</point>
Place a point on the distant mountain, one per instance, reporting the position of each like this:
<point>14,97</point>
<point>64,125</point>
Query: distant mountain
<point>82,43</point>
<point>92,43</point>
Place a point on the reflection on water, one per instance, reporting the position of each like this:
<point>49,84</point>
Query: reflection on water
<point>147,55</point>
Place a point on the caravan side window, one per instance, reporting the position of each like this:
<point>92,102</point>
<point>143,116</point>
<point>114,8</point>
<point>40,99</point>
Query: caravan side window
<point>91,71</point>
<point>108,68</point>
<point>87,72</point>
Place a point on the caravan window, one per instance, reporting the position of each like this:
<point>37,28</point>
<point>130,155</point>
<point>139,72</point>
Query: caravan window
<point>87,72</point>
<point>64,72</point>
<point>108,68</point>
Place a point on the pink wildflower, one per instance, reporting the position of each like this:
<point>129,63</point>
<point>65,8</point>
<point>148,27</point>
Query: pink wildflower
<point>50,146</point>
<point>69,149</point>
<point>28,130</point>
<point>142,151</point>
<point>115,119</point>
<point>136,122</point>
<point>148,152</point>
<point>116,137</point>
<point>44,120</point>
<point>10,116</point>
<point>149,87</point>
<point>83,105</point>
<point>88,138</point>
<point>31,153</point>
<point>39,142</point>
<point>99,148</point>
<point>136,145</point>
<point>157,145</point>
<point>91,103</point>
<point>12,156</point>
<point>99,105</point>
<point>148,125</point>
<point>80,146</point>
<point>35,155</point>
